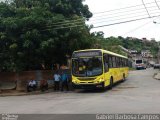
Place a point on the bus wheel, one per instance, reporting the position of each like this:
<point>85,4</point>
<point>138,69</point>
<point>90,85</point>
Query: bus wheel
<point>111,83</point>
<point>124,78</point>
<point>103,88</point>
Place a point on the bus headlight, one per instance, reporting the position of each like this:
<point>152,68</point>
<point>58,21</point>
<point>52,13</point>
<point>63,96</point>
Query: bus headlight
<point>101,80</point>
<point>74,81</point>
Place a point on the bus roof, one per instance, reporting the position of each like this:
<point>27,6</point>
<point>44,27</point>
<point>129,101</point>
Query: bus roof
<point>103,51</point>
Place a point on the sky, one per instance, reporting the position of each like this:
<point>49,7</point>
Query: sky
<point>139,29</point>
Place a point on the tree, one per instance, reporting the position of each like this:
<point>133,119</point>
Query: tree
<point>36,32</point>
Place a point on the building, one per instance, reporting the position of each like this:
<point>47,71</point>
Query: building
<point>146,54</point>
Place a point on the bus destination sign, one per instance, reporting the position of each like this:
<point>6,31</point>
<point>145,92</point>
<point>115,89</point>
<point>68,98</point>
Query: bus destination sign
<point>87,54</point>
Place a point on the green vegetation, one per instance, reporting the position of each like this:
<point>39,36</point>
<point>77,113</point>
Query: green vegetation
<point>112,44</point>
<point>36,33</point>
<point>31,34</point>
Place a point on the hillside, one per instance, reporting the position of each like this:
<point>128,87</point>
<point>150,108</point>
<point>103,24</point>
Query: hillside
<point>112,43</point>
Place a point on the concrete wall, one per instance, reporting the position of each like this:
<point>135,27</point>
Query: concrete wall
<point>8,76</point>
<point>19,80</point>
<point>8,80</point>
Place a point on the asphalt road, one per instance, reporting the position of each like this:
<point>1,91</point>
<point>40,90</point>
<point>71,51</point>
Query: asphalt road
<point>140,93</point>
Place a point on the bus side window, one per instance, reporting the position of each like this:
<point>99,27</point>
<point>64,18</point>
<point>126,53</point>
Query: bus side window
<point>106,66</point>
<point>117,62</point>
<point>121,62</point>
<point>126,63</point>
<point>110,62</point>
<point>113,62</point>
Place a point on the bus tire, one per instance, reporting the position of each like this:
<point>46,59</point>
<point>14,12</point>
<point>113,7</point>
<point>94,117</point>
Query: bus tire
<point>111,83</point>
<point>124,77</point>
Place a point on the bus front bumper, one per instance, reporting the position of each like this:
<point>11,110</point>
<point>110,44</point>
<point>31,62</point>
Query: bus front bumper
<point>88,86</point>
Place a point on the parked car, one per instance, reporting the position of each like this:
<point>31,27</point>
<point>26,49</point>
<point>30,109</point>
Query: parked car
<point>156,66</point>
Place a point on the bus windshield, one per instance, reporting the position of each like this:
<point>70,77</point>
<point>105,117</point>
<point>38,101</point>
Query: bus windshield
<point>138,61</point>
<point>87,67</point>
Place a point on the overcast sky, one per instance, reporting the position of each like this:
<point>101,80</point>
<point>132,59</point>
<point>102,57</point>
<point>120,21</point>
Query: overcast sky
<point>140,29</point>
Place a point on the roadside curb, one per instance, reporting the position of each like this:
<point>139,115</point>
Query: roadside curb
<point>17,93</point>
<point>22,93</point>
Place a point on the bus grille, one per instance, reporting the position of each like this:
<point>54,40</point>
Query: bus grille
<point>86,79</point>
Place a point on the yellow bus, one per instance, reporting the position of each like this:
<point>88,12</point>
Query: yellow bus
<point>97,68</point>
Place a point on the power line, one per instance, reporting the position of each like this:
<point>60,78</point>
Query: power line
<point>78,21</point>
<point>69,22</point>
<point>83,19</point>
<point>57,24</point>
<point>119,18</point>
<point>79,25</point>
<point>157,4</point>
<point>100,21</point>
<point>74,26</point>
<point>116,23</point>
<point>136,10</point>
<point>146,8</point>
<point>131,15</point>
<point>158,8</point>
<point>102,25</point>
<point>123,8</point>
<point>125,21</point>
